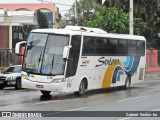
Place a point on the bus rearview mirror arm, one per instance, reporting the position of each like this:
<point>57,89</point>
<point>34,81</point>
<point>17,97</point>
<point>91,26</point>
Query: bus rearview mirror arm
<point>18,47</point>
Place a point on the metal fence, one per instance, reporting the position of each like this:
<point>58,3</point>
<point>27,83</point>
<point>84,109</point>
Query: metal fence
<point>8,57</point>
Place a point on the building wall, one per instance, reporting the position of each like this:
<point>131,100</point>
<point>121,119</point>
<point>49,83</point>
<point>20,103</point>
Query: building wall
<point>31,7</point>
<point>47,7</point>
<point>4,37</point>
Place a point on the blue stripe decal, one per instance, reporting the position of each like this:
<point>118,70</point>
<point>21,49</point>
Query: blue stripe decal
<point>120,72</point>
<point>128,64</point>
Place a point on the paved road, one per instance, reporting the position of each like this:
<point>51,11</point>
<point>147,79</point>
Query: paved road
<point>141,97</point>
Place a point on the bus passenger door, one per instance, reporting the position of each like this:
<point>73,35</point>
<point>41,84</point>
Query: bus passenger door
<point>73,58</point>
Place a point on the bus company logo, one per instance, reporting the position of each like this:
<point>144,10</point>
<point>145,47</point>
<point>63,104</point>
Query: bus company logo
<point>6,114</point>
<point>104,62</point>
<point>85,61</point>
<point>21,114</point>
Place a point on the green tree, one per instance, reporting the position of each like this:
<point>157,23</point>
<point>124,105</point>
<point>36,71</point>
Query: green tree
<point>113,16</point>
<point>114,21</point>
<point>42,20</point>
<point>42,23</point>
<point>148,11</point>
<point>120,4</point>
<point>84,9</point>
<point>26,30</point>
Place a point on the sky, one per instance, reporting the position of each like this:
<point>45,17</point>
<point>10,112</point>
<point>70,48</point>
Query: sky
<point>63,8</point>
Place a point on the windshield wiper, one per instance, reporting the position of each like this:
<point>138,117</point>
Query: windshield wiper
<point>39,59</point>
<point>52,63</point>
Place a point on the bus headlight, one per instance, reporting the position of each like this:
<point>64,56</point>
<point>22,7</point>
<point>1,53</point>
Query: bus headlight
<point>24,77</point>
<point>58,80</point>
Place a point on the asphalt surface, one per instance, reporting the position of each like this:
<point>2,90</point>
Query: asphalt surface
<point>141,97</point>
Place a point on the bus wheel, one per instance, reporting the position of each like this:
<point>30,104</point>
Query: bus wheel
<point>128,82</point>
<point>18,84</point>
<point>82,88</point>
<point>1,86</point>
<point>45,92</point>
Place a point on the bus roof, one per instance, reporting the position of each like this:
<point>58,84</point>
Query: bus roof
<point>86,31</point>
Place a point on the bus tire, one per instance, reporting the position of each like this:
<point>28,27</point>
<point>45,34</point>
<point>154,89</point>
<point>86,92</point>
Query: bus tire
<point>45,92</point>
<point>1,86</point>
<point>18,84</point>
<point>127,82</point>
<point>82,88</point>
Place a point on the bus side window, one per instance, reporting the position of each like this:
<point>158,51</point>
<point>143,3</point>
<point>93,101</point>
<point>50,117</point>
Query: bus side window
<point>100,46</point>
<point>73,56</point>
<point>132,47</point>
<point>122,47</point>
<point>88,45</point>
<point>141,48</point>
<point>112,47</point>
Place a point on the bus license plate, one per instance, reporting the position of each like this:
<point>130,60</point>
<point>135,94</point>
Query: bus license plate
<point>39,86</point>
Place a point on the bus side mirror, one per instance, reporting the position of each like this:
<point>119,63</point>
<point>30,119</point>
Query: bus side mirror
<point>18,47</point>
<point>66,51</point>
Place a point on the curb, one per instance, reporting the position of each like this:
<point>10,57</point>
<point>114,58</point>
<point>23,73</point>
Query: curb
<point>152,75</point>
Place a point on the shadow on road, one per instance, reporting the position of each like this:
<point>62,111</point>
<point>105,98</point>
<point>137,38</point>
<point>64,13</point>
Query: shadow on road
<point>87,94</point>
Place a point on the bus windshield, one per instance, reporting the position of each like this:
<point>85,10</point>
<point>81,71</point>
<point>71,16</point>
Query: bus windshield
<point>44,54</point>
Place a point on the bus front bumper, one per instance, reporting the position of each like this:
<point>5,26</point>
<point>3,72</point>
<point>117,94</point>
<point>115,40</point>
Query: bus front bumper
<point>54,87</point>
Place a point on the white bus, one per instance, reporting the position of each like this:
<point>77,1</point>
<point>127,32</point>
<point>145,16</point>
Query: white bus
<point>76,59</point>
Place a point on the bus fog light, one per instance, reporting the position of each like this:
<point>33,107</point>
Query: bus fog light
<point>58,80</point>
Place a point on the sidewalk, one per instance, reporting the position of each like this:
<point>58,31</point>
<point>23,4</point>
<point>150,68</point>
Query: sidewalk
<point>152,74</point>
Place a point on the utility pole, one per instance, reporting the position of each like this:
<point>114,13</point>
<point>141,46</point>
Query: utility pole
<point>76,17</point>
<point>131,29</point>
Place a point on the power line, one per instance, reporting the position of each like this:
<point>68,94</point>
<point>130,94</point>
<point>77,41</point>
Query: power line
<point>63,10</point>
<point>54,3</point>
<point>63,4</point>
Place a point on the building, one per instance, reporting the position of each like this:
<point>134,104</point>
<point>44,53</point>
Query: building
<point>13,16</point>
<point>50,9</point>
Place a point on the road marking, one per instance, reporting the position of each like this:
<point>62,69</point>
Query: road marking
<point>126,118</point>
<point>131,98</point>
<point>64,111</point>
<point>156,109</point>
<point>39,103</point>
<point>76,109</point>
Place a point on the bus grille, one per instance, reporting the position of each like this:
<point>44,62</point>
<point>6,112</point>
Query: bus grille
<point>2,78</point>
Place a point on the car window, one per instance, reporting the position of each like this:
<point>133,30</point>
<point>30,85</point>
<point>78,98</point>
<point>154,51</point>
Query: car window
<point>17,69</point>
<point>10,69</point>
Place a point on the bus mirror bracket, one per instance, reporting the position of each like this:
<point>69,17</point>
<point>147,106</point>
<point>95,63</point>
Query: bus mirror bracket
<point>66,51</point>
<point>18,47</point>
